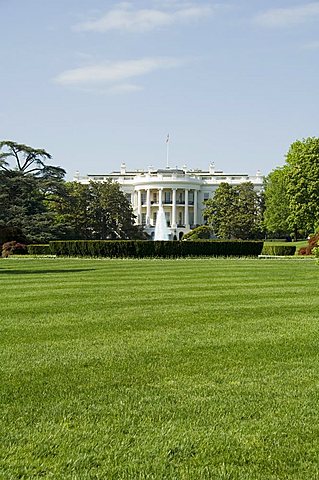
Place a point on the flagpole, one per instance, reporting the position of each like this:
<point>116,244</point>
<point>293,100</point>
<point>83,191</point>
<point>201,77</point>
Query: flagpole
<point>167,151</point>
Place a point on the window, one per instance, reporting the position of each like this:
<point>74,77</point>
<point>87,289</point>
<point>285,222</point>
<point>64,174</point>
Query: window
<point>128,197</point>
<point>143,198</point>
<point>167,197</point>
<point>180,198</point>
<point>143,218</point>
<point>206,196</point>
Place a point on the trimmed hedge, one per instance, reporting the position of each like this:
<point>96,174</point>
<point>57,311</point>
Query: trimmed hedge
<point>161,249</point>
<point>279,250</point>
<point>40,249</point>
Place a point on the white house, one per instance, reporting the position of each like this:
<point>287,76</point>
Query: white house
<point>180,191</point>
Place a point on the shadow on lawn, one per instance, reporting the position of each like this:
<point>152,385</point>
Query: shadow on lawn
<point>35,272</point>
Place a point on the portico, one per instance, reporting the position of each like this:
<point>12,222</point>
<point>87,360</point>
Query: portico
<point>180,205</point>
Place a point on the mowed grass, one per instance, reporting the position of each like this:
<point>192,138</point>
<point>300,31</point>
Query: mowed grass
<point>159,369</point>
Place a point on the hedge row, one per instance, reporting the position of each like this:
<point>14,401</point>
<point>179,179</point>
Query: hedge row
<point>283,250</point>
<point>41,249</point>
<point>163,249</point>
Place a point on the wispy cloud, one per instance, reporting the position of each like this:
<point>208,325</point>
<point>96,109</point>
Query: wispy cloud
<point>124,88</point>
<point>115,76</point>
<point>311,45</point>
<point>125,18</point>
<point>288,17</point>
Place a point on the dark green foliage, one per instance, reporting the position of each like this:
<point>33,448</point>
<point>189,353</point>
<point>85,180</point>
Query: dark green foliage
<point>14,248</point>
<point>313,242</point>
<point>204,232</point>
<point>40,249</point>
<point>235,212</point>
<point>280,250</point>
<point>162,249</point>
<point>8,234</point>
<point>27,188</point>
<point>97,211</point>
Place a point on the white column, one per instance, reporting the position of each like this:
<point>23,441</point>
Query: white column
<point>148,206</point>
<point>139,207</point>
<point>186,219</point>
<point>195,207</point>
<point>160,201</point>
<point>174,209</point>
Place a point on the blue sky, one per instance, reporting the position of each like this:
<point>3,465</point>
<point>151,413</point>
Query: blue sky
<point>97,83</point>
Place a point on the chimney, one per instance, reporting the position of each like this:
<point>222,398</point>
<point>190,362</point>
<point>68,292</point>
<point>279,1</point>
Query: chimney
<point>212,167</point>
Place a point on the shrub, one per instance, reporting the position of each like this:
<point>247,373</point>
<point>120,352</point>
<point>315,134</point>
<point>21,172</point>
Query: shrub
<point>40,249</point>
<point>287,238</point>
<point>313,242</point>
<point>279,250</point>
<point>161,249</point>
<point>203,232</point>
<point>14,248</point>
<point>315,251</point>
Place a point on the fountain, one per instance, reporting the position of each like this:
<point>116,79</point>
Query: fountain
<point>161,230</point>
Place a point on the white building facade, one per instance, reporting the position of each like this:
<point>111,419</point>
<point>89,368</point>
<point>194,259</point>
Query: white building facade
<point>181,193</point>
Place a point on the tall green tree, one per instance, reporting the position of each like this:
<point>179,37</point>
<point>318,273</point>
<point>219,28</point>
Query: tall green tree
<point>27,186</point>
<point>220,212</point>
<point>303,185</point>
<point>97,211</point>
<point>235,211</point>
<point>277,202</point>
<point>73,211</point>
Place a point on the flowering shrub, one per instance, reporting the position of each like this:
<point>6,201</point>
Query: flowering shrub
<point>14,248</point>
<point>313,242</point>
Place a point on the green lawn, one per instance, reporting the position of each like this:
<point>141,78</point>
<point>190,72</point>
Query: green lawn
<point>159,369</point>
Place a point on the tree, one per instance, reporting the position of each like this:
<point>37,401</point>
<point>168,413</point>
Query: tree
<point>27,186</point>
<point>235,211</point>
<point>27,160</point>
<point>220,211</point>
<point>111,213</point>
<point>97,211</point>
<point>277,202</point>
<point>303,185</point>
<point>73,211</point>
